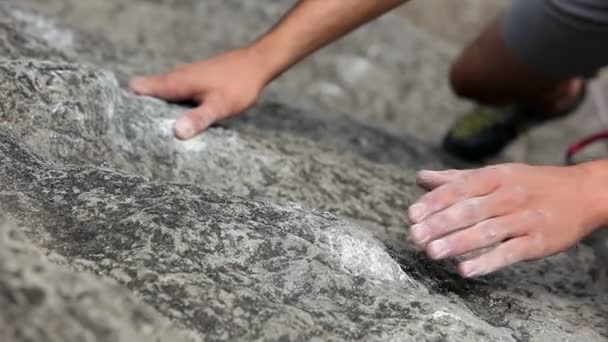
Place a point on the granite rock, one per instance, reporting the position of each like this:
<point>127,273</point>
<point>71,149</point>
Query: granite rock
<point>282,225</point>
<point>45,302</point>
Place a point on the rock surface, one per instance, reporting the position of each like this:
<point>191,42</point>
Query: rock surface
<point>283,225</point>
<point>44,302</point>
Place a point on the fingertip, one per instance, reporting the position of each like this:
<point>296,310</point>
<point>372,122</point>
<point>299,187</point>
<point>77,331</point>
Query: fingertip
<point>184,128</point>
<point>425,178</point>
<point>431,179</point>
<point>193,122</point>
<point>419,234</point>
<point>425,174</point>
<point>417,212</point>
<point>438,249</point>
<point>470,269</point>
<point>461,270</point>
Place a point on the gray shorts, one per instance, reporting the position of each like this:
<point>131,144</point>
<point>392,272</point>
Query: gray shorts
<point>559,37</point>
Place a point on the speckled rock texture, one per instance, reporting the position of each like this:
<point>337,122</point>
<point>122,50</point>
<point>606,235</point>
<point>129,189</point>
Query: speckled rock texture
<point>44,302</point>
<point>283,225</point>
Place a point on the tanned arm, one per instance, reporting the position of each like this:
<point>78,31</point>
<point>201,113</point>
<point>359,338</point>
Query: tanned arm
<point>227,84</point>
<point>311,25</point>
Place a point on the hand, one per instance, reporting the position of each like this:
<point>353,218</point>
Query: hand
<point>526,212</point>
<point>223,86</point>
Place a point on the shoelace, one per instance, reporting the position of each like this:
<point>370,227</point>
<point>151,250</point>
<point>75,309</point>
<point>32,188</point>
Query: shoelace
<point>602,112</point>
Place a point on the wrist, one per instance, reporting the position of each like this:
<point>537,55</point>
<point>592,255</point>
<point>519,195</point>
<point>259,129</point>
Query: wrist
<point>594,192</point>
<point>269,57</point>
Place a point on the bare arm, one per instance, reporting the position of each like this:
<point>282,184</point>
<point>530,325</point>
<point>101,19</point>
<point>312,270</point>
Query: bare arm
<point>311,25</point>
<point>228,84</point>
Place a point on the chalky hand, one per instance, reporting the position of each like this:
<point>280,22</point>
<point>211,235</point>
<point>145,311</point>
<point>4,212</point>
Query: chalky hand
<point>524,212</point>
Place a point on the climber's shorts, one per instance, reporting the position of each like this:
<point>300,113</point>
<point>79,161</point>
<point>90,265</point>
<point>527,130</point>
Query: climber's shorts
<point>559,37</point>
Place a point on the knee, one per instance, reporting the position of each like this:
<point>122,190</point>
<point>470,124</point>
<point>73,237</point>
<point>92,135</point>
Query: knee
<point>462,80</point>
<point>473,78</point>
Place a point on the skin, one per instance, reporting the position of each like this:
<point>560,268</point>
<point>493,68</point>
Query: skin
<point>524,212</point>
<point>488,73</point>
<point>211,82</point>
<point>513,212</point>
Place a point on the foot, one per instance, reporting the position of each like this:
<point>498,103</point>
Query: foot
<point>486,131</point>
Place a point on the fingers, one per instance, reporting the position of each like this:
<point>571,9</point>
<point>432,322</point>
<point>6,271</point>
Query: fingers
<point>429,180</point>
<point>465,185</point>
<point>466,213</point>
<point>172,86</point>
<point>505,254</point>
<point>197,120</point>
<point>482,235</point>
<point>175,86</point>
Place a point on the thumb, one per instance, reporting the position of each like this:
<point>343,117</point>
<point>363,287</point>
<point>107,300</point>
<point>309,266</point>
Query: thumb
<point>197,120</point>
<point>169,86</point>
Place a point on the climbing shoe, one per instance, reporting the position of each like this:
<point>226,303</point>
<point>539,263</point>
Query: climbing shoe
<point>485,131</point>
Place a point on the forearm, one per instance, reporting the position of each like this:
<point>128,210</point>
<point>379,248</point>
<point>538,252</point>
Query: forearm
<point>309,26</point>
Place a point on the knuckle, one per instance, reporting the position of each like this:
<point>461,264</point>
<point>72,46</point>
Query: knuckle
<point>495,171</point>
<point>460,188</point>
<point>435,199</point>
<point>513,197</point>
<point>445,193</point>
<point>533,217</point>
<point>467,177</point>
<point>488,176</point>
<point>489,233</point>
<point>470,209</point>
<point>490,236</point>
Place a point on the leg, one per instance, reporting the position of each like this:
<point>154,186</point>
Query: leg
<point>488,73</point>
<point>526,67</point>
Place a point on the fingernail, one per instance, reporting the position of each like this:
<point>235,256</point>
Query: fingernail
<point>417,212</point>
<point>471,270</point>
<point>184,128</point>
<point>438,249</point>
<point>419,234</point>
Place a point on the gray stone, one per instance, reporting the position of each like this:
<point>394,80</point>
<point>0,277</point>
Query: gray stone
<point>401,89</point>
<point>44,302</point>
<point>282,225</point>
